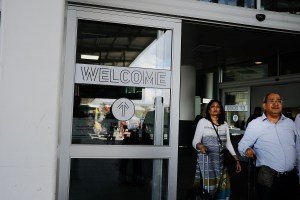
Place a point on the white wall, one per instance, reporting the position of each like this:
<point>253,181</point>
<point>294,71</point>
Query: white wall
<point>30,80</point>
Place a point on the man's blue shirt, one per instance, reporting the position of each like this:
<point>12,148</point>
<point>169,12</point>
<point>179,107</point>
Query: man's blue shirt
<point>273,143</point>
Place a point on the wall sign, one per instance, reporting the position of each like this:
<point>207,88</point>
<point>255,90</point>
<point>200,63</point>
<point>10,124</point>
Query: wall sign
<point>235,118</point>
<point>241,107</point>
<point>109,75</point>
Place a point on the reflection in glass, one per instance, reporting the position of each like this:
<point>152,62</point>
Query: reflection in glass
<point>284,63</point>
<point>132,179</point>
<point>289,63</point>
<point>250,70</point>
<point>291,6</point>
<point>236,118</point>
<point>123,45</point>
<point>93,122</point>
<point>240,3</point>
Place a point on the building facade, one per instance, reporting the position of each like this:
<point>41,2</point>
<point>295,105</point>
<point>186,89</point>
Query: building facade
<point>119,123</point>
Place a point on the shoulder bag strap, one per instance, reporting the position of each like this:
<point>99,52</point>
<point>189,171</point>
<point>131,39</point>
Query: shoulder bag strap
<point>216,133</point>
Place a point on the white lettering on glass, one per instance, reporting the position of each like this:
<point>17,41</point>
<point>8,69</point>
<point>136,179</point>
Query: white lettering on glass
<point>240,107</point>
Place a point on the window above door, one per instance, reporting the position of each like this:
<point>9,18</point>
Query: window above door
<point>110,44</point>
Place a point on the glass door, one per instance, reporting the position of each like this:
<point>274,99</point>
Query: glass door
<point>237,105</point>
<point>118,135</point>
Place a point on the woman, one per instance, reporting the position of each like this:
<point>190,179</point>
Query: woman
<point>212,138</point>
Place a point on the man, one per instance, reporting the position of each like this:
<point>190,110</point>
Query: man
<point>271,139</point>
<point>297,122</point>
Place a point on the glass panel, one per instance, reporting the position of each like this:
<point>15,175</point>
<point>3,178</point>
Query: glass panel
<point>250,3</point>
<point>236,107</point>
<point>270,54</point>
<point>240,3</point>
<point>266,67</point>
<point>104,53</point>
<point>248,71</point>
<point>123,45</point>
<point>291,6</point>
<point>93,122</point>
<point>289,63</point>
<point>127,179</point>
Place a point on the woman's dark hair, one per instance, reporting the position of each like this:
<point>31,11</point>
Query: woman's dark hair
<point>221,118</point>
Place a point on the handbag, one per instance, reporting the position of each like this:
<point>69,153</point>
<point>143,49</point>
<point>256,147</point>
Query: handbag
<point>265,176</point>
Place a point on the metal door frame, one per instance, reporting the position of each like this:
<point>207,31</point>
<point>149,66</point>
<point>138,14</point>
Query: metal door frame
<point>68,150</point>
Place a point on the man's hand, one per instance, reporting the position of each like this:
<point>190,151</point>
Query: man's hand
<point>250,153</point>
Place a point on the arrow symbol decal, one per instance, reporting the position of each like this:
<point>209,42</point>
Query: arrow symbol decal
<point>123,107</point>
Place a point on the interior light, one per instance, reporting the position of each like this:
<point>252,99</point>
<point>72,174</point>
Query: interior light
<point>89,57</point>
<point>258,62</point>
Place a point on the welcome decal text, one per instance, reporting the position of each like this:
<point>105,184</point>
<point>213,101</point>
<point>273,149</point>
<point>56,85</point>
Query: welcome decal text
<point>120,76</point>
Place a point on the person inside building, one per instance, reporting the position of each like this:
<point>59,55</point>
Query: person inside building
<point>133,126</point>
<point>212,138</point>
<point>197,118</point>
<point>148,127</point>
<point>257,113</point>
<point>131,169</point>
<point>289,114</point>
<point>270,139</point>
<point>111,123</point>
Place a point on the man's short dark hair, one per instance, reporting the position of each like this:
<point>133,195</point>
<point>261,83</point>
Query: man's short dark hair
<point>268,94</point>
